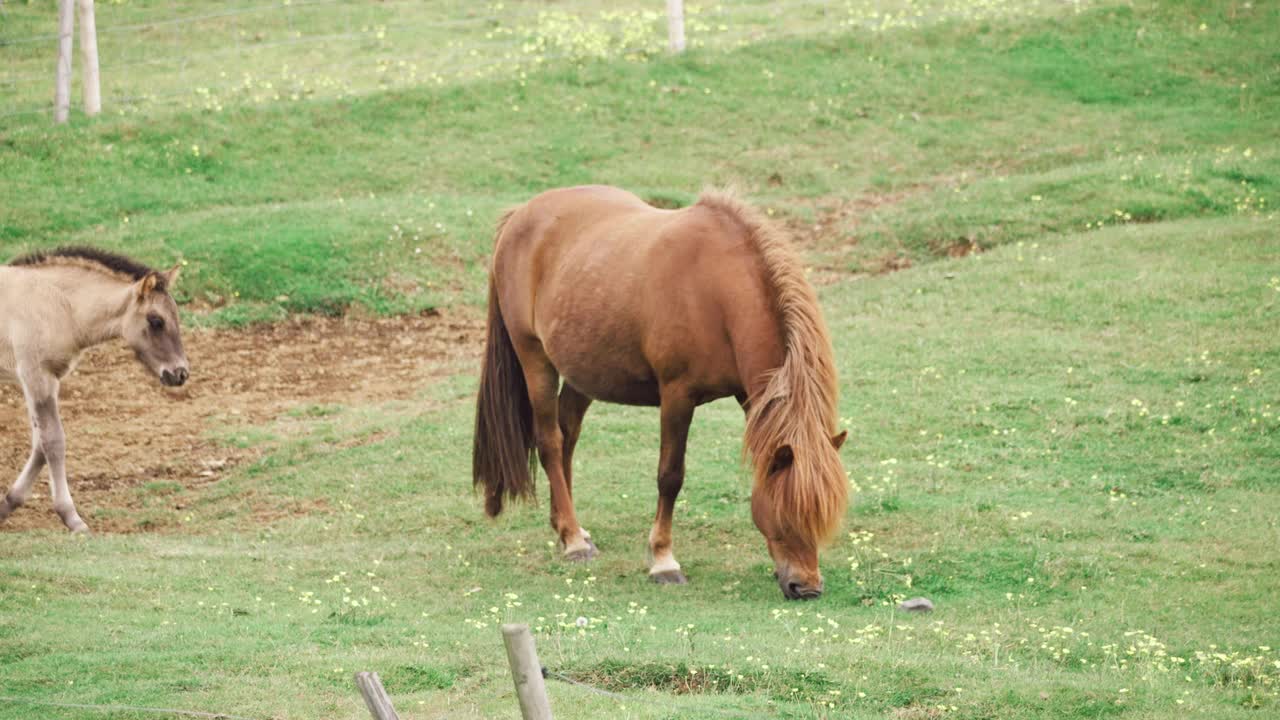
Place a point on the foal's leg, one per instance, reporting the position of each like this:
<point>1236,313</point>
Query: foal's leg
<point>21,489</point>
<point>677,413</point>
<point>42,400</point>
<point>542,381</point>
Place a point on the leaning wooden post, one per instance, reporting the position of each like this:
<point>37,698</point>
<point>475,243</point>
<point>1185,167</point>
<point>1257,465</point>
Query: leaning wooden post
<point>675,25</point>
<point>62,90</point>
<point>89,59</point>
<point>375,696</point>
<point>527,672</point>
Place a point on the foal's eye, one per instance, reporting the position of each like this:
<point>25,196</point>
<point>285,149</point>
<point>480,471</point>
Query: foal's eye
<point>155,321</point>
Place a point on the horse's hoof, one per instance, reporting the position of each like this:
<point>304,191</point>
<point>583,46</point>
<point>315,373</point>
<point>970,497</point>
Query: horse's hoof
<point>7,506</point>
<point>669,577</point>
<point>82,530</point>
<point>582,554</point>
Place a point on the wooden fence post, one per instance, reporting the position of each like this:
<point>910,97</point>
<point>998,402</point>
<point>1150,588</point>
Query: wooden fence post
<point>527,672</point>
<point>375,696</point>
<point>89,59</point>
<point>675,25</point>
<point>62,89</point>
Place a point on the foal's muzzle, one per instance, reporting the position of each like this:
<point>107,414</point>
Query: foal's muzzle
<point>175,377</point>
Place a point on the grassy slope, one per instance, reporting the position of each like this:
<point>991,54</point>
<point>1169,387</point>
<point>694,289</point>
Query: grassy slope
<point>999,132</point>
<point>1008,410</point>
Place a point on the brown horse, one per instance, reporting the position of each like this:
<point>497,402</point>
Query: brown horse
<point>635,305</point>
<point>53,306</point>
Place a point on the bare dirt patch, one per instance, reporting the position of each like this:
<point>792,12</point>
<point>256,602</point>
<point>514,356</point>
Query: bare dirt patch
<point>831,239</point>
<point>124,429</point>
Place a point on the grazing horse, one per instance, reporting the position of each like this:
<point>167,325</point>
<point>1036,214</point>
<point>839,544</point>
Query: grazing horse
<point>674,308</point>
<point>54,305</point>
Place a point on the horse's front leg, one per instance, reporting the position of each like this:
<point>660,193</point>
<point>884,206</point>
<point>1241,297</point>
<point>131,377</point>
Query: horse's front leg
<point>21,489</point>
<point>42,395</point>
<point>543,380</point>
<point>677,413</point>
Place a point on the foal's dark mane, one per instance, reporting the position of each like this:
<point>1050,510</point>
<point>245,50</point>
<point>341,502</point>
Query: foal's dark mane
<point>91,258</point>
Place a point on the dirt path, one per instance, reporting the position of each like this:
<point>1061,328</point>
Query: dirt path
<point>124,429</point>
<point>830,240</point>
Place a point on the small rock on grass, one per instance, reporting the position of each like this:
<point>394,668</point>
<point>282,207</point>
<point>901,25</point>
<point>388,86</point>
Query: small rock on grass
<point>916,604</point>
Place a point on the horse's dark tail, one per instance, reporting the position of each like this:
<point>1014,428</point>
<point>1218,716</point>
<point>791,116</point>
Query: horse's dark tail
<point>502,454</point>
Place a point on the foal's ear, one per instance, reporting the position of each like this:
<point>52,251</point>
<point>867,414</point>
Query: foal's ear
<point>783,457</point>
<point>838,441</point>
<point>171,276</point>
<point>147,285</point>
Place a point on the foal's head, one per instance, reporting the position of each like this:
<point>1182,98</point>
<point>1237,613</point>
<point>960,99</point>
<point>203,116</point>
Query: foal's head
<point>151,327</point>
<point>795,508</point>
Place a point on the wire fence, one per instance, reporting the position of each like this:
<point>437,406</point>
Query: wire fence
<point>666,704</point>
<point>155,59</point>
<point>121,708</point>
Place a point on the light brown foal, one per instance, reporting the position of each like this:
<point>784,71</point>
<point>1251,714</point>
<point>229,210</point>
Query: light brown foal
<point>53,306</point>
<point>636,305</point>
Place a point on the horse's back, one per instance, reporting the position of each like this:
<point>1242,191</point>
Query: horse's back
<point>624,297</point>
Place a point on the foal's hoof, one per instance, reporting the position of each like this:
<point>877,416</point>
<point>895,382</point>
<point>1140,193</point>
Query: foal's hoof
<point>669,577</point>
<point>582,553</point>
<point>81,530</point>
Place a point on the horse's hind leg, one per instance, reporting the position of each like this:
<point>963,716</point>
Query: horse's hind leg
<point>21,489</point>
<point>677,413</point>
<point>542,380</point>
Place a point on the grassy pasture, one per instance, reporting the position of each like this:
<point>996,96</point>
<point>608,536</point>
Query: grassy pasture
<point>989,131</point>
<point>1068,440</point>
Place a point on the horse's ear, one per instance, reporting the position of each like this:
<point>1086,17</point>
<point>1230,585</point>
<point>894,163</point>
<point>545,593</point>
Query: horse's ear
<point>147,285</point>
<point>171,276</point>
<point>838,441</point>
<point>783,457</point>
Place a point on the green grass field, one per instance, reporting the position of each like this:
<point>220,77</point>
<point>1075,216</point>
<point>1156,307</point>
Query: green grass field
<point>1066,435</point>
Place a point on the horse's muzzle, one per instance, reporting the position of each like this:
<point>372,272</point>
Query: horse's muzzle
<point>801,591</point>
<point>174,378</point>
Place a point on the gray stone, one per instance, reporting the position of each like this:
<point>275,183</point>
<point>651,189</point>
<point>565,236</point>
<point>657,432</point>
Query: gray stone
<point>916,604</point>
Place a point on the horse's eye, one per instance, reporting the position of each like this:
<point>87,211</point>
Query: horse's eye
<point>155,321</point>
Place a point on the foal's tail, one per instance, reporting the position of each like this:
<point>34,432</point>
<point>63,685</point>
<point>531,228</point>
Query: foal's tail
<point>502,455</point>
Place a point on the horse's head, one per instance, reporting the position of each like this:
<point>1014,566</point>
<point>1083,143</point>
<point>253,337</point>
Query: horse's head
<point>795,510</point>
<point>151,328</point>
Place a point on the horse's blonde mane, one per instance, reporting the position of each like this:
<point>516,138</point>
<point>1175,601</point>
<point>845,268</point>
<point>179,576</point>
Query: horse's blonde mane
<point>797,407</point>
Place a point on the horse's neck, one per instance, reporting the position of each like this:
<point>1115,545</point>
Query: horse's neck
<point>759,349</point>
<point>97,304</point>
